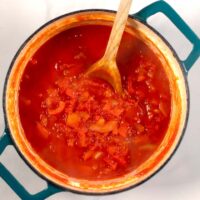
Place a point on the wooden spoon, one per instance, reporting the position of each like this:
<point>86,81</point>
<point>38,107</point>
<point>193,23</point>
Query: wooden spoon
<point>106,68</point>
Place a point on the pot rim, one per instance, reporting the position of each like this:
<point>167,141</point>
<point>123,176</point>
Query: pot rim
<point>181,66</point>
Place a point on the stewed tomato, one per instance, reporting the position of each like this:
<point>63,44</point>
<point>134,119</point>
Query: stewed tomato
<point>79,125</point>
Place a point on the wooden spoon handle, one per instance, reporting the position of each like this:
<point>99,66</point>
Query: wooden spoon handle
<point>117,30</point>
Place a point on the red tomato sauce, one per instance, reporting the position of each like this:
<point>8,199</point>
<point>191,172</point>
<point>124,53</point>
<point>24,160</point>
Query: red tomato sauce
<point>79,125</point>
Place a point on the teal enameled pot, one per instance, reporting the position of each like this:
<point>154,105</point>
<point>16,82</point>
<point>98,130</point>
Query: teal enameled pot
<point>175,69</point>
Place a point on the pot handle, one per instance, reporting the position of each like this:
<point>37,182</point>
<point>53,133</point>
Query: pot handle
<point>169,12</point>
<point>4,141</point>
<point>14,184</point>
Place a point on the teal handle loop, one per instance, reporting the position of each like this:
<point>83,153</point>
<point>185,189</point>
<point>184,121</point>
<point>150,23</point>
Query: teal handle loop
<point>4,141</point>
<point>14,184</point>
<point>168,11</point>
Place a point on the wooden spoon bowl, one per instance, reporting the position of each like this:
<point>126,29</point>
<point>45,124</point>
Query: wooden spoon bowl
<point>106,68</point>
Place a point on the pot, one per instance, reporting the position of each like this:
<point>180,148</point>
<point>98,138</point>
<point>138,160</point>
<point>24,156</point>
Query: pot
<point>175,69</point>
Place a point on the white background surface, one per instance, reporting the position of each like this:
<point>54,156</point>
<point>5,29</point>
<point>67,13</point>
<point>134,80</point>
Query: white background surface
<point>180,178</point>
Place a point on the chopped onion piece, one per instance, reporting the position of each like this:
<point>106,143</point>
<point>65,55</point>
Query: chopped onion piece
<point>106,128</point>
<point>58,109</point>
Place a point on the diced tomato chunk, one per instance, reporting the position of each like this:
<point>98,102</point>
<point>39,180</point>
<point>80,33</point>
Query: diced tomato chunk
<point>123,129</point>
<point>88,154</point>
<point>73,120</point>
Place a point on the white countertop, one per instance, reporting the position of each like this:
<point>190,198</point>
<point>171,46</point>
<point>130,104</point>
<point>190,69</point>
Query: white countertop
<point>180,178</point>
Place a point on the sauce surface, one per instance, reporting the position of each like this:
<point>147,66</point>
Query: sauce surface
<point>79,125</point>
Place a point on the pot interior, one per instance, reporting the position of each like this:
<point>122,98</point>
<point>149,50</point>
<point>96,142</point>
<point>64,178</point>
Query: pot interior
<point>179,104</point>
